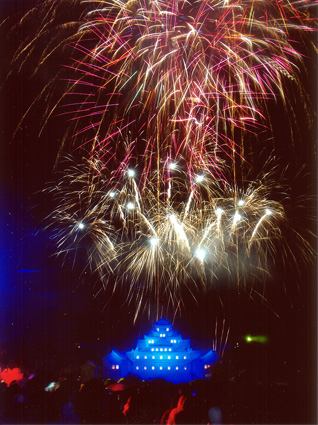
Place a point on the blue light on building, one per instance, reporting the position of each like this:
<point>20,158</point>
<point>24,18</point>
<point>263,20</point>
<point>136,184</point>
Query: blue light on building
<point>163,353</point>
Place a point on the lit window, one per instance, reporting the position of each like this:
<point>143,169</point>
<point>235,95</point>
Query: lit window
<point>163,335</point>
<point>145,357</point>
<point>169,368</point>
<point>167,329</point>
<point>145,367</point>
<point>153,368</point>
<point>160,335</point>
<point>157,329</point>
<point>185,368</point>
<point>177,357</point>
<point>160,368</point>
<point>177,367</point>
<point>152,349</point>
<point>185,357</point>
<point>169,349</point>
<point>161,349</point>
<point>169,357</point>
<point>160,357</point>
<point>153,357</point>
<point>117,366</point>
<point>165,349</point>
<point>137,367</point>
<point>113,366</point>
<point>171,341</point>
<point>156,349</point>
<point>137,357</point>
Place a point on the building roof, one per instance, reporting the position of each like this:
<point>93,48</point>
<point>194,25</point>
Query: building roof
<point>162,322</point>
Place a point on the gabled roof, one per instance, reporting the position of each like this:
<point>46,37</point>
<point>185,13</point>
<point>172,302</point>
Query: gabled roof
<point>209,355</point>
<point>162,322</point>
<point>116,355</point>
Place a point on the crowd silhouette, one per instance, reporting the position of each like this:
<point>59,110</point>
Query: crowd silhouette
<point>221,399</point>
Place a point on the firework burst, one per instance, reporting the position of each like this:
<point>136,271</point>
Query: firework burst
<point>193,235</point>
<point>179,79</point>
<point>153,81</point>
<point>160,96</point>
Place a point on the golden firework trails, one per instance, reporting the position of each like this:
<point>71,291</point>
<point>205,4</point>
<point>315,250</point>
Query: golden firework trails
<point>161,95</point>
<point>160,80</point>
<point>194,233</point>
<point>176,78</point>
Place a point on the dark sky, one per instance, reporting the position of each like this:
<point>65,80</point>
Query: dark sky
<point>46,307</point>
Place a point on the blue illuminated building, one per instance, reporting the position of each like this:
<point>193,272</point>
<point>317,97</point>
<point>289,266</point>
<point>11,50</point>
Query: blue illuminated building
<point>163,353</point>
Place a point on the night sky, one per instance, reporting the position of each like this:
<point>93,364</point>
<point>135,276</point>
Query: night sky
<point>48,306</point>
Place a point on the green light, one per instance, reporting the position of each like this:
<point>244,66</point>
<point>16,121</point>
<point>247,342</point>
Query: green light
<point>262,339</point>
